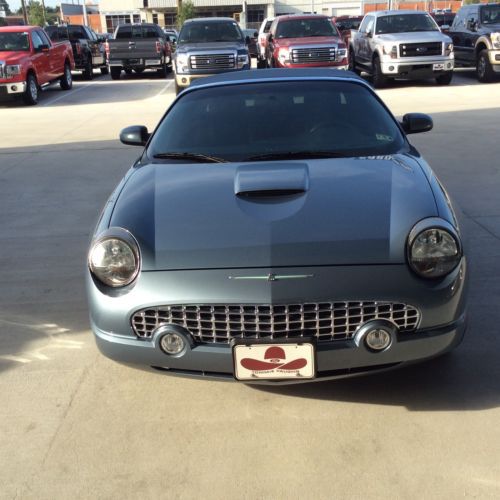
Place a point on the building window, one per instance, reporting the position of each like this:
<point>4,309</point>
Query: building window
<point>170,20</point>
<point>255,16</point>
<point>112,22</point>
<point>155,18</point>
<point>137,19</point>
<point>145,4</point>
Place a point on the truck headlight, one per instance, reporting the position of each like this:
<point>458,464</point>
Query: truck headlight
<point>114,259</point>
<point>12,70</point>
<point>242,59</point>
<point>341,53</point>
<point>181,63</point>
<point>448,48</point>
<point>284,55</point>
<point>495,40</point>
<point>433,252</point>
<point>390,50</point>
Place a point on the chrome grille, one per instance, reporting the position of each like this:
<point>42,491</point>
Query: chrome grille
<point>2,69</point>
<point>313,55</point>
<point>327,321</point>
<point>212,61</point>
<point>421,49</point>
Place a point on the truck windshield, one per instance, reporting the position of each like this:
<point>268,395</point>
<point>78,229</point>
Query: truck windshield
<point>14,42</point>
<point>196,32</point>
<point>490,14</point>
<point>405,23</point>
<point>303,119</point>
<point>300,28</point>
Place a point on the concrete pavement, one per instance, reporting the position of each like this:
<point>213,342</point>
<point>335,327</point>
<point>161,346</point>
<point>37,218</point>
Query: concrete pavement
<point>73,424</point>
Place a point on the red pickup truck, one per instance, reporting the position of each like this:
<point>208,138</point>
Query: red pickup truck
<point>305,41</point>
<point>29,61</point>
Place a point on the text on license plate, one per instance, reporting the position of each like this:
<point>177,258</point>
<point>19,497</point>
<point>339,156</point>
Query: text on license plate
<point>437,67</point>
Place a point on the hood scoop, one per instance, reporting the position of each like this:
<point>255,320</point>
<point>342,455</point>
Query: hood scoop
<point>270,180</point>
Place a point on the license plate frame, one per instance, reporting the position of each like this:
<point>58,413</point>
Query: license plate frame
<point>299,362</point>
<point>438,67</point>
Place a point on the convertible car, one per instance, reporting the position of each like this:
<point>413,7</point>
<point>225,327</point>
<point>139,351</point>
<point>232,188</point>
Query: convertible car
<point>314,244</point>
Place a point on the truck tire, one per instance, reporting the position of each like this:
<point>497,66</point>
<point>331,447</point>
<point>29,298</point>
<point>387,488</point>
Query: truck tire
<point>88,71</point>
<point>30,95</point>
<point>444,79</point>
<point>104,70</point>
<point>115,72</point>
<point>66,81</point>
<point>139,70</point>
<point>484,71</point>
<point>128,71</point>
<point>352,62</point>
<point>378,78</point>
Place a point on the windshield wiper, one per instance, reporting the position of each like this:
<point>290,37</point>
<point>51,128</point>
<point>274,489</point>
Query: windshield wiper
<point>196,157</point>
<point>293,155</point>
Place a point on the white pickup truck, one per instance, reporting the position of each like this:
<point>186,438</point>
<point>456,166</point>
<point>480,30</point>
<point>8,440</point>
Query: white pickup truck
<point>401,44</point>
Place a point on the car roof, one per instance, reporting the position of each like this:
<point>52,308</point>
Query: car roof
<point>287,17</point>
<point>380,13</point>
<point>272,75</point>
<point>18,29</point>
<point>208,20</point>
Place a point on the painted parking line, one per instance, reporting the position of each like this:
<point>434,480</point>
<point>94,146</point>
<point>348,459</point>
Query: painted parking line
<point>65,94</point>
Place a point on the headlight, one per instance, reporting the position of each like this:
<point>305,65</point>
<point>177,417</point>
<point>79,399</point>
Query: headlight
<point>242,58</point>
<point>283,55</point>
<point>181,63</point>
<point>433,252</point>
<point>114,259</point>
<point>390,50</point>
<point>448,48</point>
<point>12,70</point>
<point>341,53</point>
<point>495,40</point>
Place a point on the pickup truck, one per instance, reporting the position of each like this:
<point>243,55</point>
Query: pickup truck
<point>136,47</point>
<point>29,61</point>
<point>476,37</point>
<point>207,46</point>
<point>305,41</point>
<point>401,44</point>
<point>88,48</point>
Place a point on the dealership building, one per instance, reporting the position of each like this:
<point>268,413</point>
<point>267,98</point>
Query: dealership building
<point>163,12</point>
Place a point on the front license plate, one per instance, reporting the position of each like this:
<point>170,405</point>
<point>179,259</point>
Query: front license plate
<point>438,67</point>
<point>152,62</point>
<point>274,361</point>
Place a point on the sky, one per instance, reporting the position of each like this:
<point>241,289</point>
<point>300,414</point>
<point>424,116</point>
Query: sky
<point>15,4</point>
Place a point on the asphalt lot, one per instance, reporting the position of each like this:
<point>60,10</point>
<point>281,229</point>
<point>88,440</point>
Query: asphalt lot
<point>74,424</point>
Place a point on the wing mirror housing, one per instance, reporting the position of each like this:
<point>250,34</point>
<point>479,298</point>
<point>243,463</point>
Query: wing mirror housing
<point>136,135</point>
<point>414,123</point>
<point>472,25</point>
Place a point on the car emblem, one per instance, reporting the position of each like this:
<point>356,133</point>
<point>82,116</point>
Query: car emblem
<point>421,49</point>
<point>273,277</point>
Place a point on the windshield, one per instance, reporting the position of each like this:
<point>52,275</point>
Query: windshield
<point>300,28</point>
<point>301,118</point>
<point>405,23</point>
<point>210,32</point>
<point>490,14</point>
<point>14,42</point>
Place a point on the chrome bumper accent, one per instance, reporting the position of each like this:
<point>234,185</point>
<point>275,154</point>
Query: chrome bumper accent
<point>14,87</point>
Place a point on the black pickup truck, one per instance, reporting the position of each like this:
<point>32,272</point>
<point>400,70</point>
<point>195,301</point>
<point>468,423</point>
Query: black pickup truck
<point>136,47</point>
<point>88,48</point>
<point>476,37</point>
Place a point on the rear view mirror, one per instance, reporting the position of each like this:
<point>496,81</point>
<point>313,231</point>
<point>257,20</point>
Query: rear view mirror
<point>414,123</point>
<point>136,135</point>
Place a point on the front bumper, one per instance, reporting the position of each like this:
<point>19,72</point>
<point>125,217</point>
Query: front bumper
<point>150,62</point>
<point>441,305</point>
<point>417,68</point>
<point>494,56</point>
<point>185,79</point>
<point>12,88</point>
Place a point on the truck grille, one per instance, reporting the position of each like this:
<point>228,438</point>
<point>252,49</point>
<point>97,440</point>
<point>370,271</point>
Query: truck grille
<point>326,321</point>
<point>313,55</point>
<point>212,61</point>
<point>2,70</point>
<point>420,49</point>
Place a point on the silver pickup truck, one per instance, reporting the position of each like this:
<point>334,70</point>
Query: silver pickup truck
<point>401,44</point>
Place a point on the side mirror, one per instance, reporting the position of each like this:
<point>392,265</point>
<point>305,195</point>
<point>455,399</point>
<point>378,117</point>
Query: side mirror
<point>472,25</point>
<point>270,37</point>
<point>414,123</point>
<point>247,40</point>
<point>43,48</point>
<point>136,135</point>
<point>369,33</point>
<point>445,27</point>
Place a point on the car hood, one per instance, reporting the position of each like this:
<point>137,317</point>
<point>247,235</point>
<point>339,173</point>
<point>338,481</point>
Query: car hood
<point>13,57</point>
<point>211,46</point>
<point>321,212</point>
<point>316,40</point>
<point>415,37</point>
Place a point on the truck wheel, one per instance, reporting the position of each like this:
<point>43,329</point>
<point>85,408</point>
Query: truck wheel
<point>128,71</point>
<point>352,64</point>
<point>378,78</point>
<point>104,70</point>
<point>88,72</point>
<point>139,70</point>
<point>66,81</point>
<point>30,95</point>
<point>444,79</point>
<point>484,71</point>
<point>115,72</point>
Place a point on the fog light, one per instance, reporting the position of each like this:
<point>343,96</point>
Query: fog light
<point>378,339</point>
<point>391,68</point>
<point>173,343</point>
<point>184,80</point>
<point>14,88</point>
